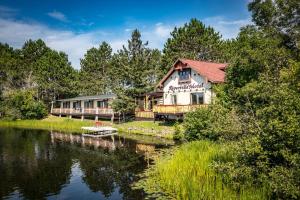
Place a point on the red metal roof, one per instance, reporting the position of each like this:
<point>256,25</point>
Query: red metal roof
<point>214,72</point>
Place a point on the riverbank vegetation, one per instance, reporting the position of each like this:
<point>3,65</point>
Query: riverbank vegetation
<point>187,172</point>
<point>255,116</point>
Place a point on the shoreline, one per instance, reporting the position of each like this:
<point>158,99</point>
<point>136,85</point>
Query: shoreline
<point>66,125</point>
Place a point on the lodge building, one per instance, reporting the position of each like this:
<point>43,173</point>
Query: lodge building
<point>187,85</point>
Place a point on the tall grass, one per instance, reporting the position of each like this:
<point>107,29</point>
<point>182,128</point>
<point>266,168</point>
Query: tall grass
<point>187,174</point>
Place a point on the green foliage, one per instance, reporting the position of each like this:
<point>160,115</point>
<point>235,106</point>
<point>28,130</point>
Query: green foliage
<point>21,104</point>
<point>281,15</point>
<point>256,52</point>
<point>178,132</point>
<point>55,76</point>
<point>213,123</point>
<point>135,70</point>
<point>94,73</point>
<point>36,67</point>
<point>263,87</point>
<point>186,173</point>
<point>10,71</point>
<point>123,104</point>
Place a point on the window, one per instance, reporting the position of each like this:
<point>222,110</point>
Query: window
<point>174,99</point>
<point>76,104</point>
<point>197,98</point>
<point>66,104</point>
<point>88,104</point>
<point>102,104</point>
<point>184,75</point>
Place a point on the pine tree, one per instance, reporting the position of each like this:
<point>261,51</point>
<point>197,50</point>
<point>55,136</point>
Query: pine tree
<point>194,41</point>
<point>94,71</point>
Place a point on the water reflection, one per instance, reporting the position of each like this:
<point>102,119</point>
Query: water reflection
<point>37,165</point>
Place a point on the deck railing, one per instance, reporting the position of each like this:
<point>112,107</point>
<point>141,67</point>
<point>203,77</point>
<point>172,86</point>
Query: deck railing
<point>88,111</point>
<point>176,109</point>
<point>144,114</point>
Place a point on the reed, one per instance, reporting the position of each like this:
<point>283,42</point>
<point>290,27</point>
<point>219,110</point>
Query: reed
<point>187,173</point>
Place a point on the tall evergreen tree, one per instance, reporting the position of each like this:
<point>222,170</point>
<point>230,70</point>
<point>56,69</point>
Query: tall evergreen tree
<point>55,76</point>
<point>282,16</point>
<point>9,65</point>
<point>136,69</point>
<point>194,41</point>
<point>94,71</point>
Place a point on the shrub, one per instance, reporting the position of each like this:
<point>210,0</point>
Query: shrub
<point>178,133</point>
<point>21,104</point>
<point>213,123</point>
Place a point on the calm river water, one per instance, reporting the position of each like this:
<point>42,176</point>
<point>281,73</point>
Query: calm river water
<point>38,164</point>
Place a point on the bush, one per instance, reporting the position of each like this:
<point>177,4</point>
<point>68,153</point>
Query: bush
<point>21,104</point>
<point>213,123</point>
<point>178,133</point>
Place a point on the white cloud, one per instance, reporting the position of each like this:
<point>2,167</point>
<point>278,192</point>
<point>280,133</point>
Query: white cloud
<point>227,28</point>
<point>162,30</point>
<point>58,15</point>
<point>15,33</point>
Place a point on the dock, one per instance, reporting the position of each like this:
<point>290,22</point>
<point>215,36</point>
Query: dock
<point>99,131</point>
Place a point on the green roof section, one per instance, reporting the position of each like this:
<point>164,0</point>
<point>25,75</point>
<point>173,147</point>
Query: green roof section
<point>94,97</point>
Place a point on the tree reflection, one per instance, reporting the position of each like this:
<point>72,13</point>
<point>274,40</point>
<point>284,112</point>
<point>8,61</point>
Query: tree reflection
<point>29,164</point>
<point>38,165</point>
<point>109,170</point>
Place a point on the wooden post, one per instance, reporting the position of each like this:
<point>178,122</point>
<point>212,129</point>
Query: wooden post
<point>112,117</point>
<point>71,107</point>
<point>82,110</point>
<point>61,105</point>
<point>51,107</point>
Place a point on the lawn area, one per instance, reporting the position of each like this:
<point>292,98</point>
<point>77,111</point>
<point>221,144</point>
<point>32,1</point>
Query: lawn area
<point>49,123</point>
<point>186,172</point>
<point>159,129</point>
<point>149,128</point>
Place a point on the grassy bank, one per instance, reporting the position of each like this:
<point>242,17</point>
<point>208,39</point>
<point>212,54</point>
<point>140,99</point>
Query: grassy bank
<point>186,173</point>
<point>50,123</point>
<point>74,125</point>
<point>158,129</point>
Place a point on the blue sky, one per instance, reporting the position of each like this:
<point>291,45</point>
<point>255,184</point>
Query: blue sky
<point>74,26</point>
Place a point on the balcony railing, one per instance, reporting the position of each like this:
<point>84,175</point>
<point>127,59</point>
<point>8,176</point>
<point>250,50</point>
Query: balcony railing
<point>87,111</point>
<point>144,114</point>
<point>176,109</point>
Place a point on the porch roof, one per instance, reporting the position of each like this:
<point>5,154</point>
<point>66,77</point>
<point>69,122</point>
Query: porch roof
<point>95,97</point>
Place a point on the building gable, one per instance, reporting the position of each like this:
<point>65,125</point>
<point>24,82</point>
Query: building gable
<point>213,72</point>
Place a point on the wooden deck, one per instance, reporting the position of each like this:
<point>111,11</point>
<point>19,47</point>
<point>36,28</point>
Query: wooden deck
<point>176,109</point>
<point>144,114</point>
<point>86,111</point>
